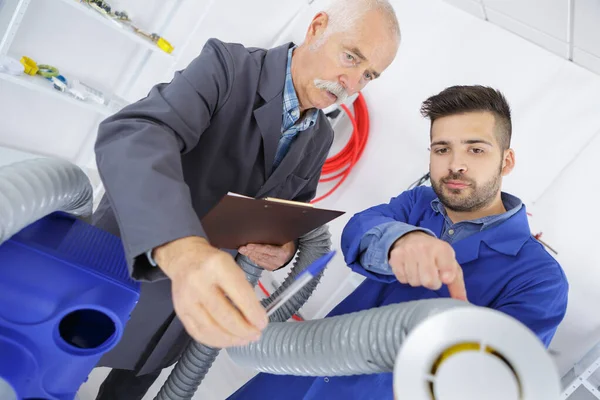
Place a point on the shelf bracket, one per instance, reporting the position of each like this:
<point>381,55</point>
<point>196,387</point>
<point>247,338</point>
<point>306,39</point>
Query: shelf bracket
<point>13,26</point>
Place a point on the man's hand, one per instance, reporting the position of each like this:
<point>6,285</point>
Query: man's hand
<point>269,257</point>
<point>422,260</point>
<point>211,296</point>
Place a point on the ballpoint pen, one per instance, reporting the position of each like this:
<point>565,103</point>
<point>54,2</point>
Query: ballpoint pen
<point>301,280</point>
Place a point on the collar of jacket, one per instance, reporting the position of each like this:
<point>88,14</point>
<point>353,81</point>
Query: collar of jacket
<point>272,75</point>
<point>507,238</point>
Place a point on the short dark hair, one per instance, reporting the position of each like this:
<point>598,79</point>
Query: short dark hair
<point>461,99</point>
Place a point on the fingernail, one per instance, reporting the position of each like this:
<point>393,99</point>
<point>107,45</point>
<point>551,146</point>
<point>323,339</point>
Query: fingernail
<point>446,276</point>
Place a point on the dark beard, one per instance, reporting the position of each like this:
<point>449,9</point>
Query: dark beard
<point>481,197</point>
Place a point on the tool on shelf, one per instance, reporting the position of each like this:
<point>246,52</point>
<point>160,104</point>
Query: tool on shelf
<point>122,18</point>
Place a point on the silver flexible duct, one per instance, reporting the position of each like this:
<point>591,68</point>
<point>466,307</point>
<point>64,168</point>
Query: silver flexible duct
<point>311,247</point>
<point>32,189</point>
<point>364,342</point>
<point>197,358</point>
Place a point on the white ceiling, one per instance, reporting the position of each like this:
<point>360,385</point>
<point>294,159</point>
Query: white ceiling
<point>568,28</point>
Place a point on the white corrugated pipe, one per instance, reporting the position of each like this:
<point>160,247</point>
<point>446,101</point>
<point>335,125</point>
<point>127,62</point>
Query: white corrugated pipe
<point>32,189</point>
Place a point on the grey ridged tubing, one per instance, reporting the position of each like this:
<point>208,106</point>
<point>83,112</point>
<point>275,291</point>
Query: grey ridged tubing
<point>197,358</point>
<point>32,189</point>
<point>312,246</point>
<point>364,342</point>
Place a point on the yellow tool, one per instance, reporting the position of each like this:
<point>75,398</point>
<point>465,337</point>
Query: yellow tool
<point>164,45</point>
<point>31,67</point>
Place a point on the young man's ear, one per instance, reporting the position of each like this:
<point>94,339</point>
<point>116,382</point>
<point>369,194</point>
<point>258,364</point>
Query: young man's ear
<point>508,162</point>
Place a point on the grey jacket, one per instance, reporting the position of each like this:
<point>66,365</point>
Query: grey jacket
<point>167,159</point>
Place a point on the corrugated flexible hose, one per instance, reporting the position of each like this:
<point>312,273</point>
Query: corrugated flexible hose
<point>197,358</point>
<point>32,189</point>
<point>364,342</point>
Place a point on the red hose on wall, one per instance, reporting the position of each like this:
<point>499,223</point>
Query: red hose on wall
<point>340,165</point>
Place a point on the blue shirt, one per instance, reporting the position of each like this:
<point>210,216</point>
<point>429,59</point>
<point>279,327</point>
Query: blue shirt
<point>290,125</point>
<point>376,244</point>
<point>504,269</point>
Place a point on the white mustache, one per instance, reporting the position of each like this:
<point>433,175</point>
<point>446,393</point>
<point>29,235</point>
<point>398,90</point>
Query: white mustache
<point>333,87</point>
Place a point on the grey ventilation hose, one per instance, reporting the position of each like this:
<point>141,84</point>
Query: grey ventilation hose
<point>364,342</point>
<point>197,358</point>
<point>32,189</point>
<point>311,246</point>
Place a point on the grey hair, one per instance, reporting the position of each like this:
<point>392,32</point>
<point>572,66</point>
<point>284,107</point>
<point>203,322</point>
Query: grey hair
<point>344,14</point>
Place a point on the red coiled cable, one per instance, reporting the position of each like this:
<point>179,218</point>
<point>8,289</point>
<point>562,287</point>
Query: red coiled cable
<point>340,165</point>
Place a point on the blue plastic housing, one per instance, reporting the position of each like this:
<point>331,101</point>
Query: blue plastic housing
<point>65,297</point>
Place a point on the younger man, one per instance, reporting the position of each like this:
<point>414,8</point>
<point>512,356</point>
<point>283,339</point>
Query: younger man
<point>461,238</point>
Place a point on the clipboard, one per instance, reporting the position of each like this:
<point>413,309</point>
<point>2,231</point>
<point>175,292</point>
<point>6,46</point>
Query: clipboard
<point>238,220</point>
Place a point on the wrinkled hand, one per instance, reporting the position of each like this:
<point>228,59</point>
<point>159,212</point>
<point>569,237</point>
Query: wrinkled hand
<point>211,296</point>
<point>423,260</point>
<point>267,256</point>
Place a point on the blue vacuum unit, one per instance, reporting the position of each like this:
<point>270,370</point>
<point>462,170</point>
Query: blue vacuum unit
<point>65,297</point>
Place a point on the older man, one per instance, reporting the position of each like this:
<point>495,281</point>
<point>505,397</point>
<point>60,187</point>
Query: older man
<point>237,119</point>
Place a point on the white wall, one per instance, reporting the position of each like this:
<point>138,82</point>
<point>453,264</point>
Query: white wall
<point>570,223</point>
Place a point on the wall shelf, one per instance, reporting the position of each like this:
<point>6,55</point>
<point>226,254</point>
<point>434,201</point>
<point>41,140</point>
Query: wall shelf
<point>119,27</point>
<point>20,8</point>
<point>14,19</point>
<point>39,84</point>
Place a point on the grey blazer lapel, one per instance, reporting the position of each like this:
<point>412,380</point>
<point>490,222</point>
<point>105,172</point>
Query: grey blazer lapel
<point>302,145</point>
<point>269,118</point>
<point>270,115</point>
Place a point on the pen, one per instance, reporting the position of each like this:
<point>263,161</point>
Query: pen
<point>301,280</point>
